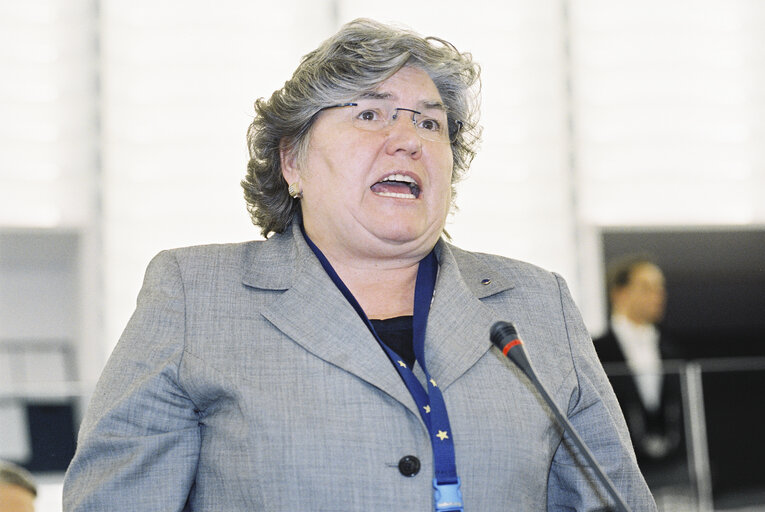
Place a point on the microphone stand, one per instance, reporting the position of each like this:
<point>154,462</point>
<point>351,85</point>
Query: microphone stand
<point>505,337</point>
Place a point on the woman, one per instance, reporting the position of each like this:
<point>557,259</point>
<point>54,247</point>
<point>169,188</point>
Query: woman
<point>345,363</point>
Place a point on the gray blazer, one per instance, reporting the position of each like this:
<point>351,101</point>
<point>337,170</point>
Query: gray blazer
<point>245,381</point>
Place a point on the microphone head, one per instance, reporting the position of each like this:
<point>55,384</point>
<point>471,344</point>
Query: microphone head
<point>503,331</point>
<point>505,337</point>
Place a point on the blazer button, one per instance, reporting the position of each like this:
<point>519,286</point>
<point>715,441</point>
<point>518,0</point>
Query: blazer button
<point>409,465</point>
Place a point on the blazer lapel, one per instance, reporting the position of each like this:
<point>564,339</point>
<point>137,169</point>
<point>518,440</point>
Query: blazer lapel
<point>313,313</point>
<point>459,323</point>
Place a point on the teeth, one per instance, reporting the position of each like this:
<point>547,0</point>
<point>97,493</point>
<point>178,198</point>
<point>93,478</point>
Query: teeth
<point>393,194</point>
<point>400,177</point>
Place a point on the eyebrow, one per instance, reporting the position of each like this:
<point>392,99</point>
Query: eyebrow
<point>430,105</point>
<point>375,95</point>
<point>423,104</point>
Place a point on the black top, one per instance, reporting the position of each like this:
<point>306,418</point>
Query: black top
<point>396,333</point>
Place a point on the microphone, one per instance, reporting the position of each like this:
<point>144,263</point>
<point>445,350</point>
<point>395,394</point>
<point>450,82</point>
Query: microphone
<point>505,337</point>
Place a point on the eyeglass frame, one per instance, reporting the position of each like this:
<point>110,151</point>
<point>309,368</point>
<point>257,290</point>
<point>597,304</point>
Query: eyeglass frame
<point>451,138</point>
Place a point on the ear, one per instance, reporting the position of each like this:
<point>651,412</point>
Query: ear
<point>288,162</point>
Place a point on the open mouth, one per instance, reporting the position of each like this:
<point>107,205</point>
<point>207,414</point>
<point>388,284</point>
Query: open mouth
<point>397,185</point>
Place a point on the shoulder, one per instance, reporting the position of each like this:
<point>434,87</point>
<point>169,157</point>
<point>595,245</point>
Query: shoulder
<point>532,297</point>
<point>276,248</point>
<point>669,346</point>
<point>201,262</point>
<point>479,266</point>
<point>606,337</point>
<point>198,254</point>
<point>468,260</point>
<point>607,347</point>
<point>471,258</point>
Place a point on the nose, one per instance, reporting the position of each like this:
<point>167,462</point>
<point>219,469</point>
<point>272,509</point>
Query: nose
<point>402,136</point>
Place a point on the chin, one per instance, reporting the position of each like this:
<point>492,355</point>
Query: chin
<point>403,235</point>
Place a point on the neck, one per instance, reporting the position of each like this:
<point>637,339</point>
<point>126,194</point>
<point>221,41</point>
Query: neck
<point>631,319</point>
<point>381,291</point>
<point>381,282</point>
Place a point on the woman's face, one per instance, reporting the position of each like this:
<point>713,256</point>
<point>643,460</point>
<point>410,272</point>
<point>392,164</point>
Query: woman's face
<point>347,206</point>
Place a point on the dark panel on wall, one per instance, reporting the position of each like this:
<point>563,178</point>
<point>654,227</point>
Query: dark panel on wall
<point>52,432</point>
<point>715,284</point>
<point>716,309</point>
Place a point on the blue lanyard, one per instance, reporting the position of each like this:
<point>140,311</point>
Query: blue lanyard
<point>430,403</point>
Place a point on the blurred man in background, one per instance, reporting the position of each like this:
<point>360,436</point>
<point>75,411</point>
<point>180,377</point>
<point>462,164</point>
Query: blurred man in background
<point>634,350</point>
<point>17,489</point>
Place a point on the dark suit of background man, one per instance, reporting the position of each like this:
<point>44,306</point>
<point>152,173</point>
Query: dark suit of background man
<point>649,399</point>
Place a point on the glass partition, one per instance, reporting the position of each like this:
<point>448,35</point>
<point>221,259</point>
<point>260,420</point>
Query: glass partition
<point>701,447</point>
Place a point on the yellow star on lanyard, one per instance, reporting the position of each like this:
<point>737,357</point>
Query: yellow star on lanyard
<point>433,382</point>
<point>427,409</point>
<point>442,435</point>
<point>402,364</point>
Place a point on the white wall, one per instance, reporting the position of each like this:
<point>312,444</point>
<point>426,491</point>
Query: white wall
<point>130,117</point>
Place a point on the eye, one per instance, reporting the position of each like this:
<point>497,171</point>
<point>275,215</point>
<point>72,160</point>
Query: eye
<point>431,125</point>
<point>369,115</point>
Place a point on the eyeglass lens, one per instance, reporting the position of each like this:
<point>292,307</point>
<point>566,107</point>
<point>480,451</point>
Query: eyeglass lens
<point>431,124</point>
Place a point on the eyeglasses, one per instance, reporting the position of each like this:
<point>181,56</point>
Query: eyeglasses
<point>375,115</point>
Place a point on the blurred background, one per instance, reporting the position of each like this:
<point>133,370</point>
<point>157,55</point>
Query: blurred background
<point>609,127</point>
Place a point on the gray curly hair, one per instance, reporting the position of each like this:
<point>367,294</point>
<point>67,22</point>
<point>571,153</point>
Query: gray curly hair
<point>360,56</point>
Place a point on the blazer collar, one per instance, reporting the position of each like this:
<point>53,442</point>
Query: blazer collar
<point>273,264</point>
<point>314,313</point>
<point>459,322</point>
